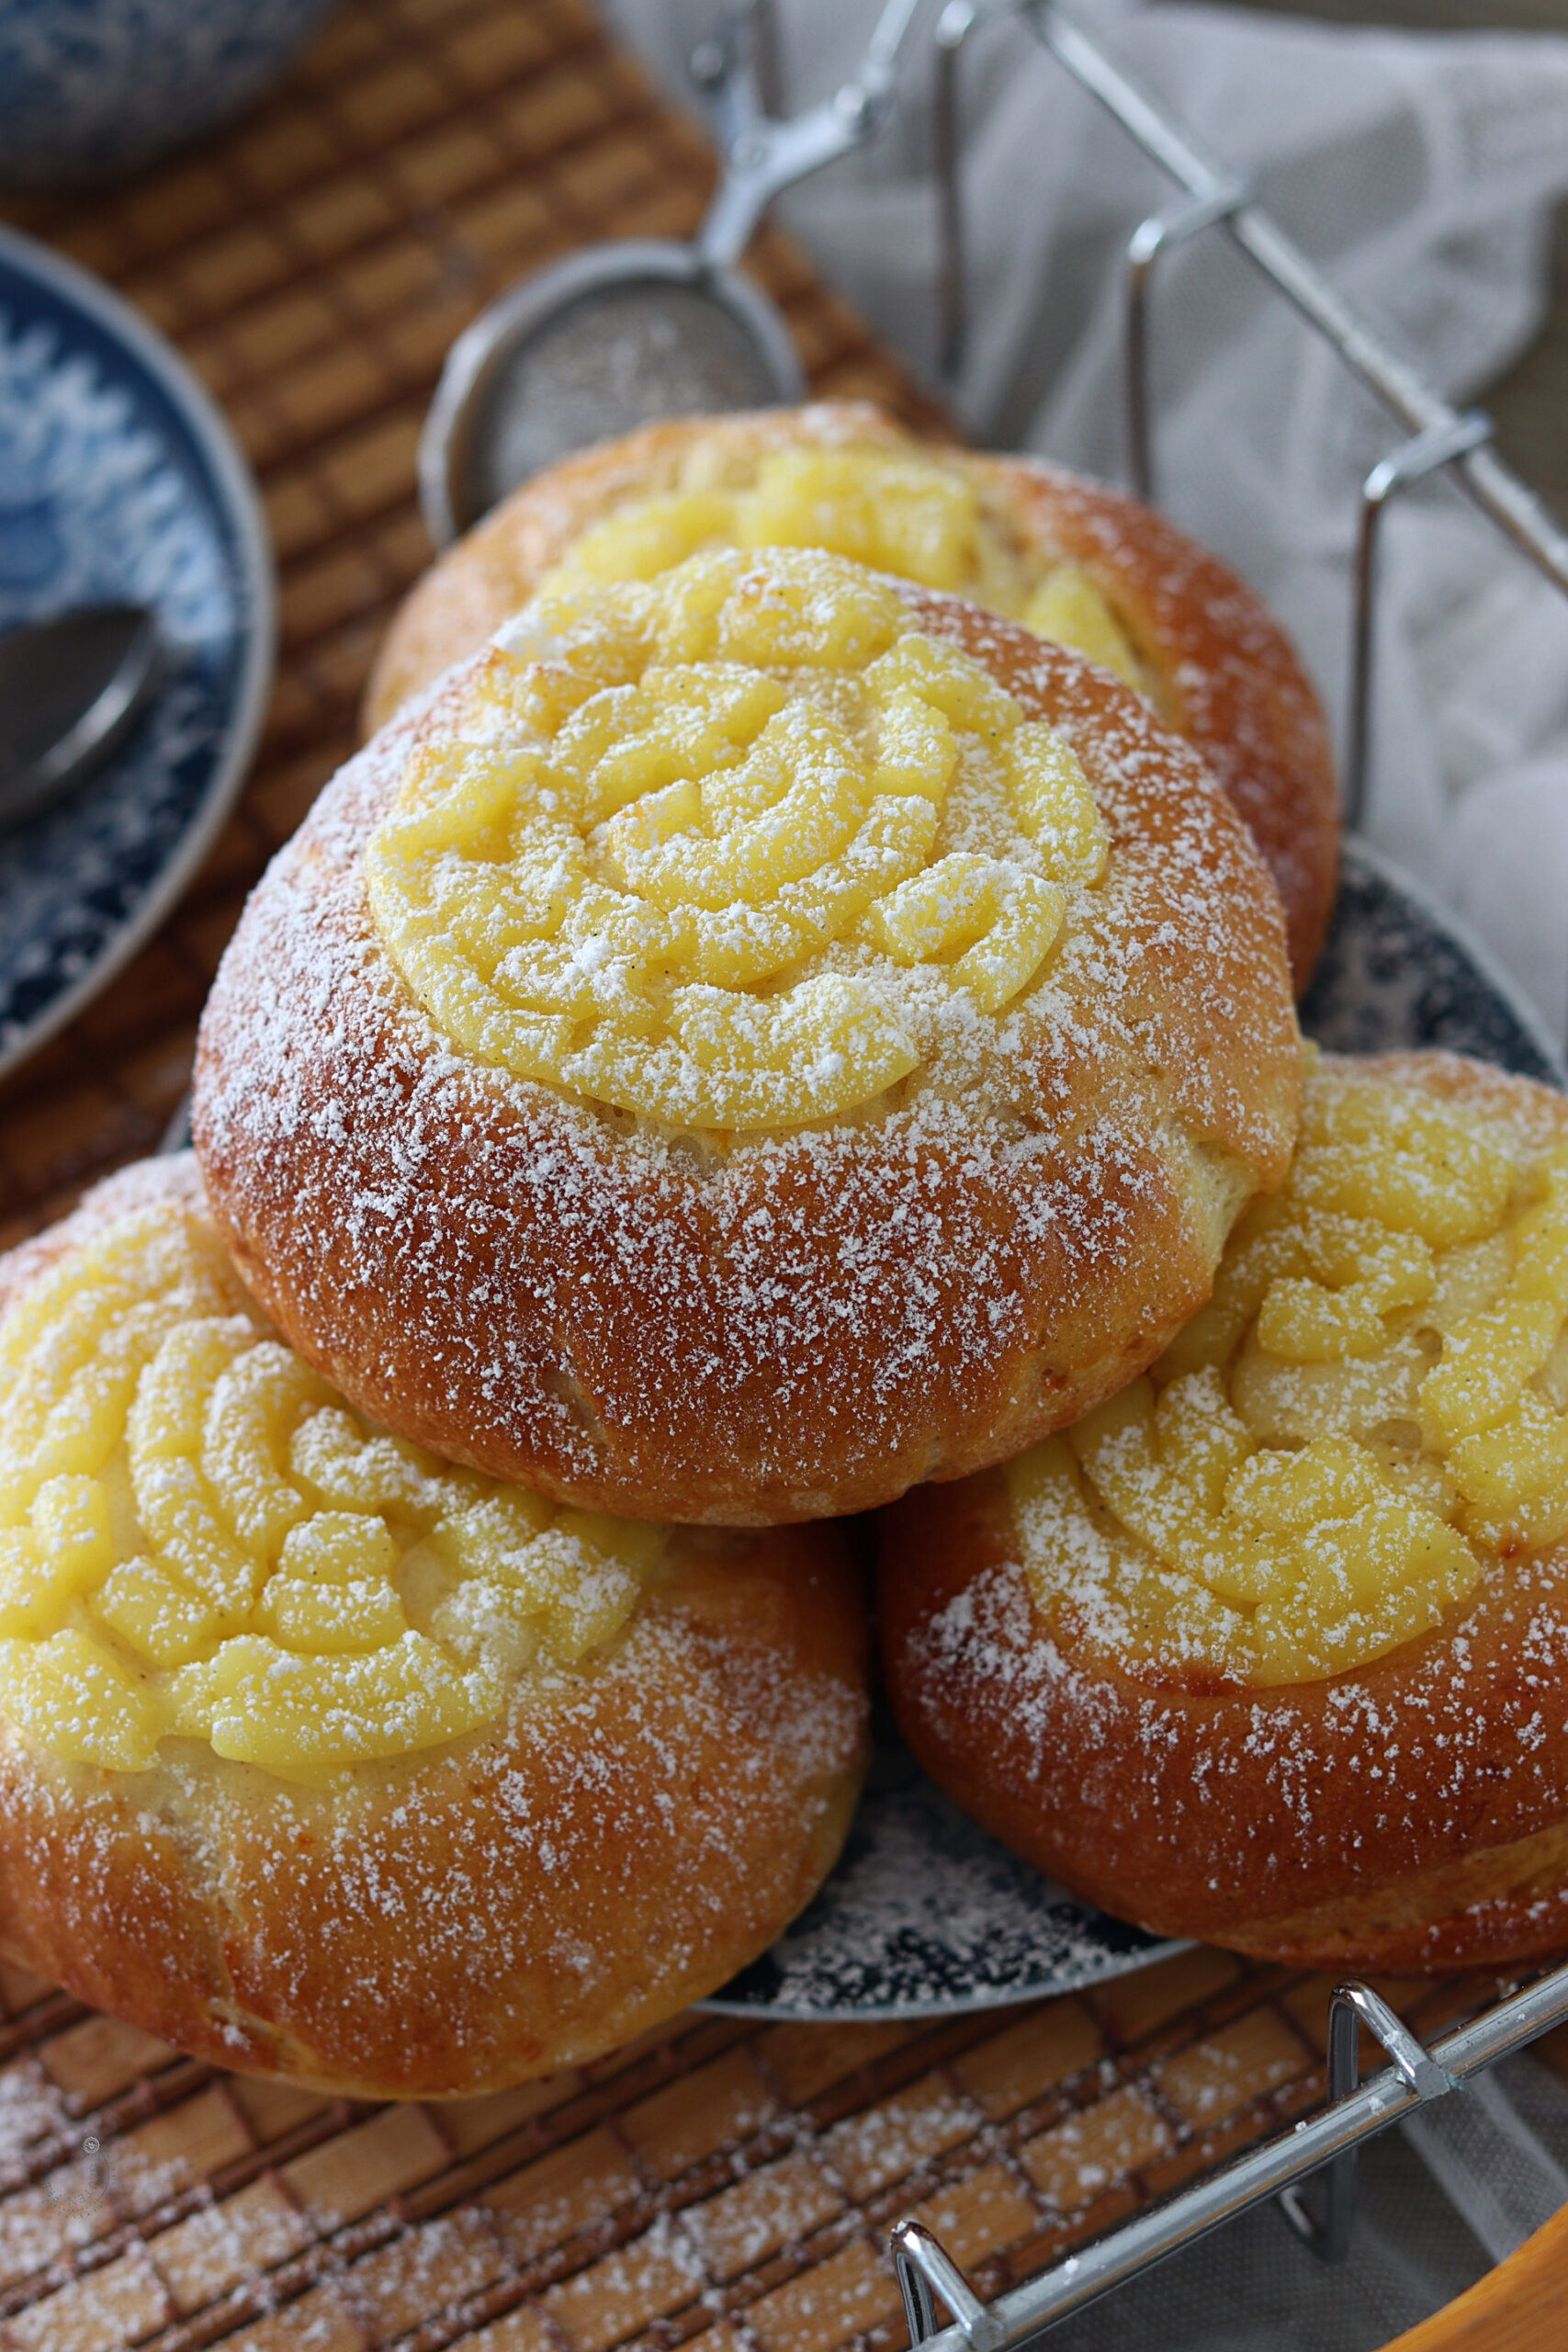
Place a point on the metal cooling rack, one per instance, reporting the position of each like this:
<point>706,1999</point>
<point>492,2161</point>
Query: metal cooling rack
<point>1328,2140</point>
<point>1440,437</point>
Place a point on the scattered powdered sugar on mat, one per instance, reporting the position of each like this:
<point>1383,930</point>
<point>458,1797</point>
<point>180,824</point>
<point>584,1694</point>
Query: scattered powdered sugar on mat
<point>31,2109</point>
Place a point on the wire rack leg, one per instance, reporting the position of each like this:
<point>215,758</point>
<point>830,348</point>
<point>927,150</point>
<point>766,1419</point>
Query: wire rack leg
<point>927,2272</point>
<point>952,323</point>
<point>1151,238</point>
<point>1352,2007</point>
<point>954,26</point>
<point>1439,445</point>
<point>1330,2238</point>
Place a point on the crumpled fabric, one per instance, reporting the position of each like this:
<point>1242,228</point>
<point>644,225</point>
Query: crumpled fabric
<point>1419,170</point>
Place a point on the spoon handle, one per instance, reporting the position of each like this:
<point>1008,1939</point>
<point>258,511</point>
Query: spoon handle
<point>70,690</point>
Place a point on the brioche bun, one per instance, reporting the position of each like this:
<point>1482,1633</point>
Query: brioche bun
<point>759,1324</point>
<point>622,1831</point>
<point>1407,1812</point>
<point>1214,664</point>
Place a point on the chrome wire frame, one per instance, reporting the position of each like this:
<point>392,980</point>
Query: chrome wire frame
<point>1329,2138</point>
<point>1442,437</point>
<point>737,73</point>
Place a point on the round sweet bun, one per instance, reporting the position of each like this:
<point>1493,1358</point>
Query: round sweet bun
<point>756,1327</point>
<point>618,1838</point>
<point>1212,660</point>
<point>1408,1813</point>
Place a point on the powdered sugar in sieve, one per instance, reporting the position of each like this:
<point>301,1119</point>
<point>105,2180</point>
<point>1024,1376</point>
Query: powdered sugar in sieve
<point>606,342</point>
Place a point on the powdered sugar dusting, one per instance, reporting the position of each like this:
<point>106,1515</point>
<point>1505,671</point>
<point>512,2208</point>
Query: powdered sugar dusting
<point>1218,665</point>
<point>797,1323</point>
<point>1272,1802</point>
<point>586,1856</point>
<point>636,1823</point>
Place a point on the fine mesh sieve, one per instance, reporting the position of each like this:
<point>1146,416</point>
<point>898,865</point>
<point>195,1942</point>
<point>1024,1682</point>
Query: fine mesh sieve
<point>602,342</point>
<point>629,332</point>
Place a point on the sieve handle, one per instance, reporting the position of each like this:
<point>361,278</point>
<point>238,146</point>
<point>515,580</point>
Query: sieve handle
<point>762,156</point>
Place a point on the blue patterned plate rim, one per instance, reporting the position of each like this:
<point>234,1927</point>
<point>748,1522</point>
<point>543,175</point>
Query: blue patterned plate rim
<point>231,490</point>
<point>1360,855</point>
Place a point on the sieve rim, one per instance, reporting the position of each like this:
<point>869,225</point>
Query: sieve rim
<point>494,338</point>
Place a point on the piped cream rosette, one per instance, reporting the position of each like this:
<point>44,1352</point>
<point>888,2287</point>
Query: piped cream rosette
<point>199,1539</point>
<point>723,849</point>
<point>1374,1403</point>
<point>913,513</point>
<point>1072,560</point>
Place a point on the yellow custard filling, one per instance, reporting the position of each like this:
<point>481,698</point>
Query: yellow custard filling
<point>1375,1399</point>
<point>903,514</point>
<point>200,1541</point>
<point>729,848</point>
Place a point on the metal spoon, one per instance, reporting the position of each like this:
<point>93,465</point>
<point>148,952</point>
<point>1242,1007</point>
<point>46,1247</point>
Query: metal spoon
<point>70,690</point>
<point>617,336</point>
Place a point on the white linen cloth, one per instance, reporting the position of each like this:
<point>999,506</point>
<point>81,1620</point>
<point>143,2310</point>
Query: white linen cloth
<point>1419,171</point>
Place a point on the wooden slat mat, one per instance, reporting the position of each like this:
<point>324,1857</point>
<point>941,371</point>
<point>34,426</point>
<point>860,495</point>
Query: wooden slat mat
<point>717,2181</point>
<point>314,264</point>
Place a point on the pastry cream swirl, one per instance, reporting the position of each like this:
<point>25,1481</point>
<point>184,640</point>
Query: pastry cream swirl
<point>1374,1400</point>
<point>694,832</point>
<point>900,513</point>
<point>198,1540</point>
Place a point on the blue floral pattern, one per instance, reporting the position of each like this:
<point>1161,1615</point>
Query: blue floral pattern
<point>116,482</point>
<point>91,87</point>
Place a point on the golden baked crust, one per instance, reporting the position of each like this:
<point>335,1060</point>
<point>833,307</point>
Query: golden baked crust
<point>1220,669</point>
<point>793,1325</point>
<point>1409,1813</point>
<point>629,1834</point>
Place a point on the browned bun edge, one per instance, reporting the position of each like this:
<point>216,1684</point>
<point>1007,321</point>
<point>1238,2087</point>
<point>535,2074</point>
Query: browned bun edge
<point>480,580</point>
<point>623,1840</point>
<point>797,1326</point>
<point>1410,1813</point>
<point>173,1177</point>
<point>1228,678</point>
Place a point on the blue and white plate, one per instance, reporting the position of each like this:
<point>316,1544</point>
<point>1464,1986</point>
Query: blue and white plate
<point>93,87</point>
<point>1398,969</point>
<point>925,1916</point>
<point>119,482</point>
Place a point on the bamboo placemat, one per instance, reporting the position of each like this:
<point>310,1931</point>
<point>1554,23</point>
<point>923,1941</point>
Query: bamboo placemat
<point>718,2182</point>
<point>314,265</point>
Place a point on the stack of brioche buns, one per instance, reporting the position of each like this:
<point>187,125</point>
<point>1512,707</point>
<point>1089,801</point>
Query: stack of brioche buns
<point>792,1004</point>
